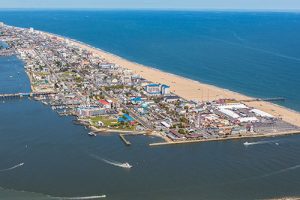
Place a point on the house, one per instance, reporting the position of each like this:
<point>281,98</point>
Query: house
<point>126,79</point>
<point>136,100</point>
<point>171,99</point>
<point>105,104</point>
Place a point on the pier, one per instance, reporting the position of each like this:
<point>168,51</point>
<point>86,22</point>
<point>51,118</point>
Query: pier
<point>7,52</point>
<point>122,136</point>
<point>25,94</point>
<point>265,99</point>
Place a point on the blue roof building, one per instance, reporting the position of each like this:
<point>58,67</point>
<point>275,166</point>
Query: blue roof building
<point>136,100</point>
<point>125,118</point>
<point>157,89</point>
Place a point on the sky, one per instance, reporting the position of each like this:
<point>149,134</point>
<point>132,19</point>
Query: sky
<point>156,4</point>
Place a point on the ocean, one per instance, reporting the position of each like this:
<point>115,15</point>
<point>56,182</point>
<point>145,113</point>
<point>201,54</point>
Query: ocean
<point>254,53</point>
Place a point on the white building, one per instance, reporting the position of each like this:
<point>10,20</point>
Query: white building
<point>153,89</point>
<point>87,112</point>
<point>233,106</point>
<point>157,89</point>
<point>261,113</point>
<point>229,113</point>
<point>165,124</point>
<point>248,119</point>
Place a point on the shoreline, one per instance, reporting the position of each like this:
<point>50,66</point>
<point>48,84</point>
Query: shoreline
<point>185,87</point>
<point>224,139</point>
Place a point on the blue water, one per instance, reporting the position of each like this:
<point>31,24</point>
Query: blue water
<point>13,76</point>
<point>253,53</point>
<point>58,154</point>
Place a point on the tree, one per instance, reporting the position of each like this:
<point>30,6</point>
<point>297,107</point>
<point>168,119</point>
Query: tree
<point>184,120</point>
<point>181,131</point>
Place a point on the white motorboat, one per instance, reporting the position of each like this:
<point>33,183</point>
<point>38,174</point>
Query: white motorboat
<point>126,165</point>
<point>92,134</point>
<point>246,143</point>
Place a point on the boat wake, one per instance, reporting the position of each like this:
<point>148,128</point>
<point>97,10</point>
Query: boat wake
<point>118,164</point>
<point>114,163</point>
<point>268,174</point>
<point>12,168</point>
<point>282,171</point>
<point>79,198</point>
<point>260,142</point>
<point>50,197</point>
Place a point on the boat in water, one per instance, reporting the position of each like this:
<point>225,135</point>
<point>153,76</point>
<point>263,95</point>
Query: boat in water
<point>261,142</point>
<point>126,165</point>
<point>247,143</point>
<point>112,162</point>
<point>92,134</point>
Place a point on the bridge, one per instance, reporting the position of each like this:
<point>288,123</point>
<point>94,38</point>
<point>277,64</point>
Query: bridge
<point>25,94</point>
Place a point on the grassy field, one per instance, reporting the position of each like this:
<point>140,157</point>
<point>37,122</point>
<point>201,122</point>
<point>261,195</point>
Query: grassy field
<point>110,122</point>
<point>106,120</point>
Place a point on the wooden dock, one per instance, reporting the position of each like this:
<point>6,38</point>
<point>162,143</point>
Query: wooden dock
<point>122,136</point>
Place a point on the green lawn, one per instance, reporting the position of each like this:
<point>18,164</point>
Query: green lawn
<point>111,123</point>
<point>107,121</point>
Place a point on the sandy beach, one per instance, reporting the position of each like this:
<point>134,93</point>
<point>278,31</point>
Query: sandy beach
<point>187,88</point>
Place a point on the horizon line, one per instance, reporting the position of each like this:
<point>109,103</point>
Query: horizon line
<point>153,9</point>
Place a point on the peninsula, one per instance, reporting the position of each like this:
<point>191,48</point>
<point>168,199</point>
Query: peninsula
<point>108,93</point>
